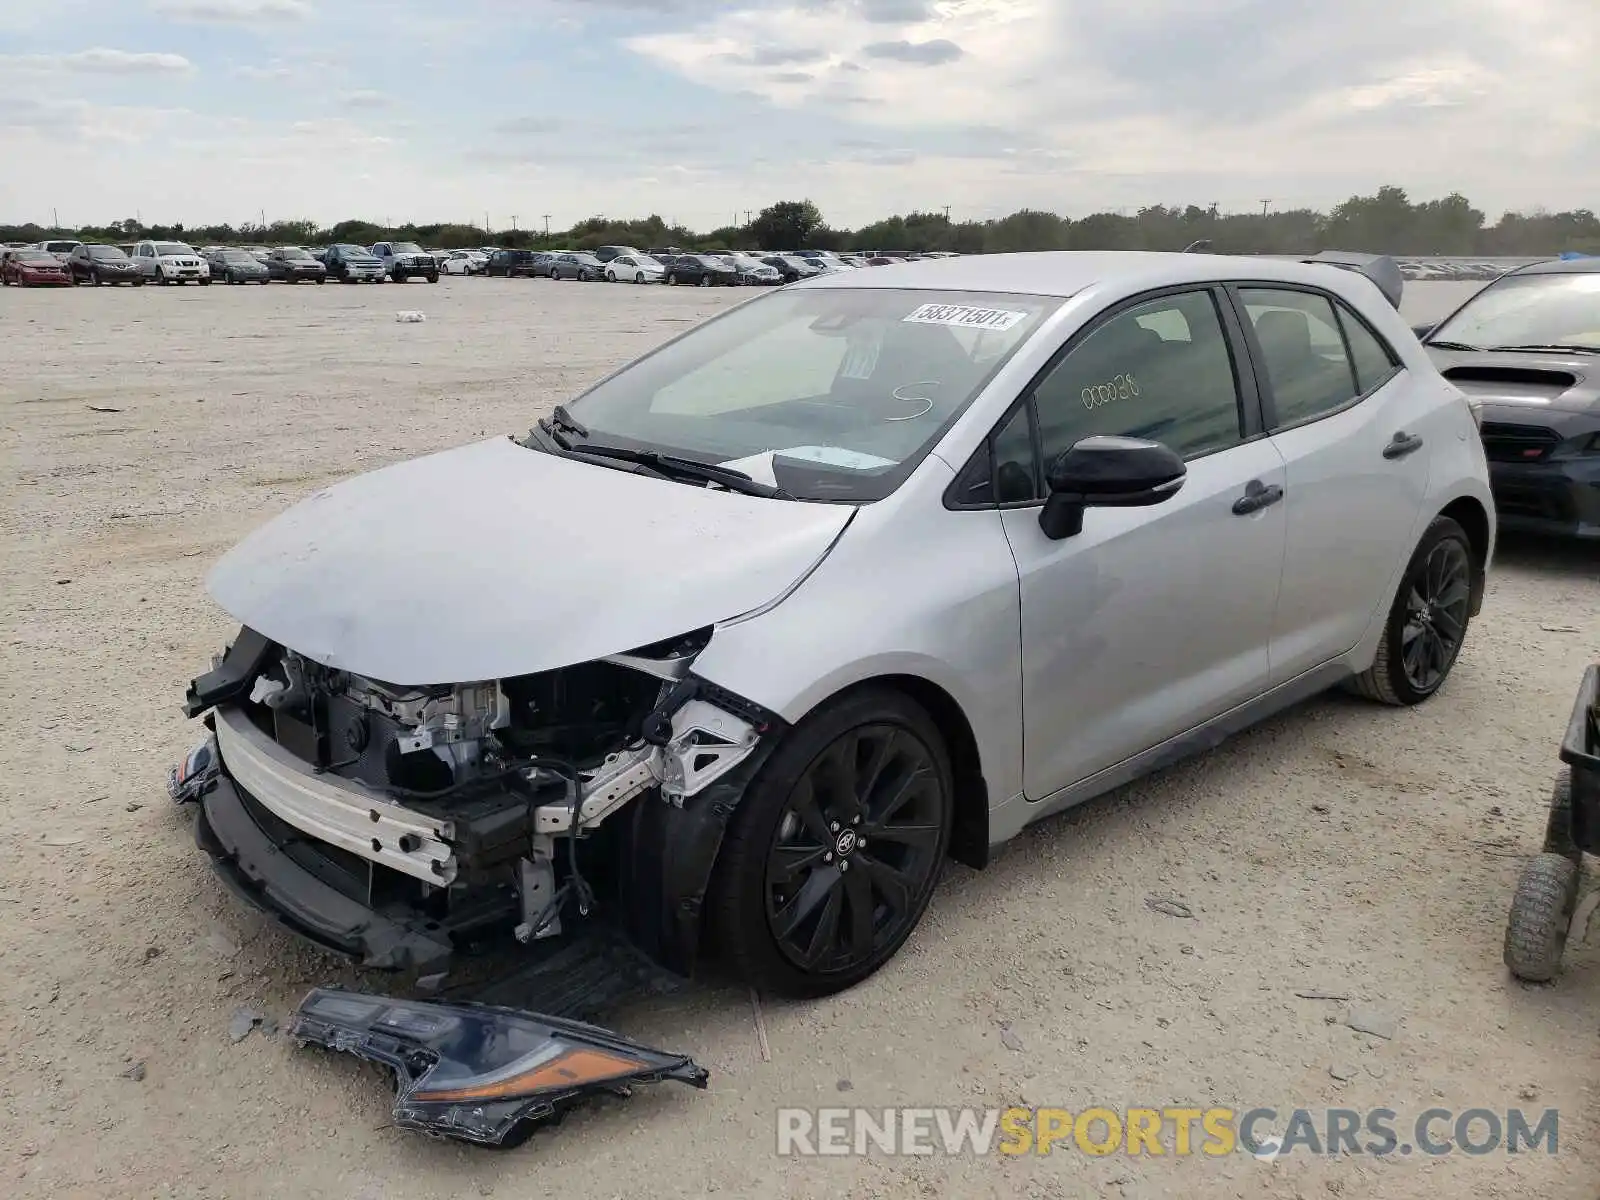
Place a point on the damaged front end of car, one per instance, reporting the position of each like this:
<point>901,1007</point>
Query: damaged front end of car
<point>478,1073</point>
<point>399,825</point>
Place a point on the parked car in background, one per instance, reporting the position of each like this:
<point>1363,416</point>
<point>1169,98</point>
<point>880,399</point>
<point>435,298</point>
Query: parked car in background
<point>60,248</point>
<point>514,264</point>
<point>1526,351</point>
<point>701,270</point>
<point>792,267</point>
<point>97,264</point>
<point>464,262</point>
<point>406,260</point>
<point>576,265</point>
<point>752,270</point>
<point>128,248</point>
<point>606,253</point>
<point>238,266</point>
<point>634,268</point>
<point>349,263</point>
<point>294,264</point>
<point>259,253</point>
<point>32,267</point>
<point>171,262</point>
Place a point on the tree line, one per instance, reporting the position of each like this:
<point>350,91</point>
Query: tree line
<point>1387,222</point>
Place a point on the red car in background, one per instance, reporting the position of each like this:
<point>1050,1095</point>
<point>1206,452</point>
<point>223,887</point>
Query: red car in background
<point>33,268</point>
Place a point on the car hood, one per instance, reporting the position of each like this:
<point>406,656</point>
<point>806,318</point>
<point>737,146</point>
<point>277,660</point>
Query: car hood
<point>1523,379</point>
<point>493,560</point>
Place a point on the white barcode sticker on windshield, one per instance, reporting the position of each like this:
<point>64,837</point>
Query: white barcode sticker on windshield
<point>964,316</point>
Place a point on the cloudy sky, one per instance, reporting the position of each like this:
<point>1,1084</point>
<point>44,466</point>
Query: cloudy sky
<point>209,110</point>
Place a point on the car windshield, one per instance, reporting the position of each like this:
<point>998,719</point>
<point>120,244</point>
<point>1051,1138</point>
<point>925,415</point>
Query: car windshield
<point>173,248</point>
<point>830,394</point>
<point>297,255</point>
<point>106,253</point>
<point>34,256</point>
<point>645,260</point>
<point>238,256</point>
<point>1530,310</point>
<point>587,260</point>
<point>407,248</point>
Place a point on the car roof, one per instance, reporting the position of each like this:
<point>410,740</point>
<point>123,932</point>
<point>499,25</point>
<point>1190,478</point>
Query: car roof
<point>1561,266</point>
<point>1067,272</point>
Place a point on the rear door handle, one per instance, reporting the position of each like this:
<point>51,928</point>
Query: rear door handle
<point>1402,444</point>
<point>1257,495</point>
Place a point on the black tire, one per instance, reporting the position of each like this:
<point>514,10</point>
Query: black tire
<point>139,282</point>
<point>1416,653</point>
<point>705,280</point>
<point>1541,910</point>
<point>433,278</point>
<point>1558,824</point>
<point>94,278</point>
<point>205,282</point>
<point>672,278</point>
<point>821,768</point>
<point>322,279</point>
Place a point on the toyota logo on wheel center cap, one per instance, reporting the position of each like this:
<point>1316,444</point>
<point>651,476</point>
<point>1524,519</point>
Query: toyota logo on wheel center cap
<point>845,843</point>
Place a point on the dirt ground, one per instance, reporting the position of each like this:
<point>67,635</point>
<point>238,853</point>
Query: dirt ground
<point>1342,848</point>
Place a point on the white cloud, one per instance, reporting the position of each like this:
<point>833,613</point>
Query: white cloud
<point>97,61</point>
<point>234,12</point>
<point>365,99</point>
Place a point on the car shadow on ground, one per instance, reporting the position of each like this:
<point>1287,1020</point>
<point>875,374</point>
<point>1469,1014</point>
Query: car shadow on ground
<point>1551,556</point>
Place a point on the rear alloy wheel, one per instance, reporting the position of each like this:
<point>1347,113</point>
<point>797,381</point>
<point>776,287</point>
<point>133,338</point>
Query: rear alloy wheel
<point>639,278</point>
<point>1427,623</point>
<point>705,281</point>
<point>833,853</point>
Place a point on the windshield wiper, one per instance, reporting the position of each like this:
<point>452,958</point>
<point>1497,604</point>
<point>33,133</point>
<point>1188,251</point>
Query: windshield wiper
<point>1452,345</point>
<point>560,419</point>
<point>670,464</point>
<point>1553,347</point>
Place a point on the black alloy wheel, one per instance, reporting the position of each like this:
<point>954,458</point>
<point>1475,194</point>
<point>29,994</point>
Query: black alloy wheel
<point>1427,623</point>
<point>1436,615</point>
<point>833,854</point>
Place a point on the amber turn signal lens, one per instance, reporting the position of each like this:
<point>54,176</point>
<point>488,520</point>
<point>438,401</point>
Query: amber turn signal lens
<point>569,1069</point>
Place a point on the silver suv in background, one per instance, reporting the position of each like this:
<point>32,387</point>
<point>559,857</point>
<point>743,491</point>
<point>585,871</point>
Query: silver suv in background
<point>171,262</point>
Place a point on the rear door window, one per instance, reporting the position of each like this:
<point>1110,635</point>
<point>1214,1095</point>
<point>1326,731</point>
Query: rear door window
<point>1309,372</point>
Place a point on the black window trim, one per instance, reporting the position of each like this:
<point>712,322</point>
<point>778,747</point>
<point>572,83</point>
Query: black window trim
<point>1258,361</point>
<point>1252,414</point>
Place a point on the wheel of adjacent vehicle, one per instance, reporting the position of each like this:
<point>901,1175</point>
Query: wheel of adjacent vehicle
<point>705,281</point>
<point>94,277</point>
<point>672,278</point>
<point>434,278</point>
<point>638,277</point>
<point>204,281</point>
<point>322,279</point>
<point>1541,910</point>
<point>1558,823</point>
<point>833,853</point>
<point>1427,623</point>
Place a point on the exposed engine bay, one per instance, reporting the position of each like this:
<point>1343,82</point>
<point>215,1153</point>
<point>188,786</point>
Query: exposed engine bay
<point>448,812</point>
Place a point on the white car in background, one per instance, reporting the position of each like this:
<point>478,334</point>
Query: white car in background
<point>171,262</point>
<point>464,262</point>
<point>61,249</point>
<point>635,268</point>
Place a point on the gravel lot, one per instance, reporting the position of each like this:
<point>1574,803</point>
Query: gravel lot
<point>1359,851</point>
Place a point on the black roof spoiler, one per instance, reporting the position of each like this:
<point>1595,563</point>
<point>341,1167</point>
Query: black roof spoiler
<point>1379,268</point>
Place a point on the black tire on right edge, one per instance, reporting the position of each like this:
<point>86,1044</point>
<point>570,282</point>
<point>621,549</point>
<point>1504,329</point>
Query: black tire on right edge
<point>1558,824</point>
<point>1541,910</point>
<point>1385,681</point>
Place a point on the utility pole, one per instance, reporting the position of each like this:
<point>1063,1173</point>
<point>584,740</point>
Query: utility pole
<point>1264,204</point>
<point>513,223</point>
<point>947,214</point>
<point>546,224</point>
<point>747,216</point>
<point>55,219</point>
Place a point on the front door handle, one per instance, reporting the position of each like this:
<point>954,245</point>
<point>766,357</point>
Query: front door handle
<point>1257,495</point>
<point>1402,444</point>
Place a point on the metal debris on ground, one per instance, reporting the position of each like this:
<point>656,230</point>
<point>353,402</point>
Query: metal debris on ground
<point>1366,1020</point>
<point>243,1021</point>
<point>1168,907</point>
<point>761,1026</point>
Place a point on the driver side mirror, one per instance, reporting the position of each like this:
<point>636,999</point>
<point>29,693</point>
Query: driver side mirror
<point>1107,472</point>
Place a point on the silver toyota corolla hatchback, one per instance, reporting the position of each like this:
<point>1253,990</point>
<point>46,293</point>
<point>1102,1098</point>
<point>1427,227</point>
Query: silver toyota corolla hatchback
<point>732,652</point>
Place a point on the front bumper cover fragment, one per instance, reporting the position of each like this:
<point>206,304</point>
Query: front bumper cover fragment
<point>477,1073</point>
